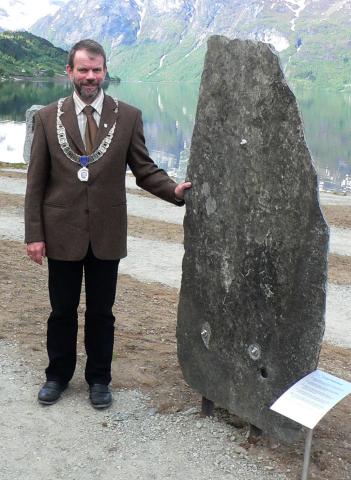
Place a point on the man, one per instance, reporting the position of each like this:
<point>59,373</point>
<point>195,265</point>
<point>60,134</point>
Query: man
<point>75,214</point>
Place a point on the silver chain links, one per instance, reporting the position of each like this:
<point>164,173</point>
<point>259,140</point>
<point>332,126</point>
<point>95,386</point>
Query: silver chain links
<point>67,150</point>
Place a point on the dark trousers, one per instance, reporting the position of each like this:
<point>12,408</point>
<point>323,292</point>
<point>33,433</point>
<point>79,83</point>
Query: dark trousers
<point>65,282</point>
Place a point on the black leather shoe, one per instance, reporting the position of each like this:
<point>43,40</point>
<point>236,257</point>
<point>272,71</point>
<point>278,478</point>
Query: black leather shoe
<point>100,395</point>
<point>50,392</point>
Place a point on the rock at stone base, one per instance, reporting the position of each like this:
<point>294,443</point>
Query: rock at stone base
<point>252,300</point>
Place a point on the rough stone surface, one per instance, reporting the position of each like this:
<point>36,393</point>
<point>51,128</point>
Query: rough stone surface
<point>252,300</point>
<point>29,131</point>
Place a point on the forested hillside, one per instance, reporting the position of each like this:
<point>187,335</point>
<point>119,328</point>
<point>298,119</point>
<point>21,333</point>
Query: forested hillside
<point>23,54</point>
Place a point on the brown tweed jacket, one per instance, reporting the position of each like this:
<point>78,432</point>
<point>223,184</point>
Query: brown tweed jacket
<point>68,214</point>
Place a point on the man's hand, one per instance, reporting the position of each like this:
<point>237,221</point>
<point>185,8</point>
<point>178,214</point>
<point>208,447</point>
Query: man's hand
<point>36,251</point>
<point>180,189</point>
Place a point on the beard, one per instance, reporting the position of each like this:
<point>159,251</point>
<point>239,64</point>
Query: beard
<point>87,91</point>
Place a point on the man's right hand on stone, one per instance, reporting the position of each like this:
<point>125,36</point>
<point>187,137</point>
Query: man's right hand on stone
<point>36,251</point>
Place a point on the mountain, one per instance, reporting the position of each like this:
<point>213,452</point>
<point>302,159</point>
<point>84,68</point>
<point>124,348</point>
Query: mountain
<point>24,54</point>
<point>166,39</point>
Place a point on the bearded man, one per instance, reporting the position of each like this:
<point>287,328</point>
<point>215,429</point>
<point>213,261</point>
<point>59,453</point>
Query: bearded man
<point>75,214</point>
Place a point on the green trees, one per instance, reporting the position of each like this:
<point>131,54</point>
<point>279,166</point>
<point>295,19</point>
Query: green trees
<point>25,55</point>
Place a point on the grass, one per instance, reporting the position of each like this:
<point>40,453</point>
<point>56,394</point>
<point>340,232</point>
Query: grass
<point>23,166</point>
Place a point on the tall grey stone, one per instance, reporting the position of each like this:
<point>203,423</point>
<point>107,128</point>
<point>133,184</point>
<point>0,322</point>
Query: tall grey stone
<point>252,300</point>
<point>29,131</point>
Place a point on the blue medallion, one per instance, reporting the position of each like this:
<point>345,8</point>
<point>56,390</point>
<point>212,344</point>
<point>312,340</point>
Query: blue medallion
<point>84,160</point>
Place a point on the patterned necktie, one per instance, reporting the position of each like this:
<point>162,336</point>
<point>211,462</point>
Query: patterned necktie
<point>90,129</point>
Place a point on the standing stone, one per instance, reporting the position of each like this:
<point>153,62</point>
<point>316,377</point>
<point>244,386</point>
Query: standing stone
<point>252,300</point>
<point>29,131</point>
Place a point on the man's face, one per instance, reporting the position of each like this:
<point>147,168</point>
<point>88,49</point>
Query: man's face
<point>87,74</point>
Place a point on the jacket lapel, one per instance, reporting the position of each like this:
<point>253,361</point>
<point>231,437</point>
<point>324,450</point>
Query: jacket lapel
<point>108,117</point>
<point>70,122</point>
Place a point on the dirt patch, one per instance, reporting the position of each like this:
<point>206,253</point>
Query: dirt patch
<point>12,174</point>
<point>141,193</point>
<point>146,316</point>
<point>145,356</point>
<point>12,203</point>
<point>339,269</point>
<point>338,215</point>
<point>137,226</point>
<point>154,230</point>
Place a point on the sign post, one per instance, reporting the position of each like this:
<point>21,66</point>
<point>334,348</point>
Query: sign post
<point>308,400</point>
<point>307,456</point>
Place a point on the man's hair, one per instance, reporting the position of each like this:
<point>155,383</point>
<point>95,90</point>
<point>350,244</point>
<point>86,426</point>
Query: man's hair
<point>91,46</point>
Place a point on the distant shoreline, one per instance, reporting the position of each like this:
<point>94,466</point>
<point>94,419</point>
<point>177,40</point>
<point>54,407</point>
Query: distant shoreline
<point>58,78</point>
<point>26,78</point>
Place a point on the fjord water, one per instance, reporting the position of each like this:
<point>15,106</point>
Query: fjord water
<point>169,111</point>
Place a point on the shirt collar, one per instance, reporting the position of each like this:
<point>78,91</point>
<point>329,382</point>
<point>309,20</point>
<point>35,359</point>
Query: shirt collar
<point>97,103</point>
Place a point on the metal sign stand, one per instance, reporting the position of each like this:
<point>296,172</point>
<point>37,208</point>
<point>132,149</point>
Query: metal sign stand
<point>307,456</point>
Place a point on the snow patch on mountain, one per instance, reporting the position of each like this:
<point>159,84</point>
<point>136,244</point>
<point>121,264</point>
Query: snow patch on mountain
<point>300,5</point>
<point>168,5</point>
<point>162,60</point>
<point>160,65</point>
<point>335,7</point>
<point>197,45</point>
<point>273,37</point>
<point>142,11</point>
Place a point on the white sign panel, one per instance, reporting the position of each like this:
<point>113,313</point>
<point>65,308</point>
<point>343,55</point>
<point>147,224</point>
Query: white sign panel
<point>308,400</point>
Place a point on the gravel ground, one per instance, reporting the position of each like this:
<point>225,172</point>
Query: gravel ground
<point>332,199</point>
<point>15,186</point>
<point>131,440</point>
<point>161,260</point>
<point>325,198</point>
<point>338,315</point>
<point>70,440</point>
<point>340,241</point>
<point>154,209</point>
<point>11,226</point>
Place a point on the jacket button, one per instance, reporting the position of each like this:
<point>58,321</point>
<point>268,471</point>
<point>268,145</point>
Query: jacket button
<point>87,210</point>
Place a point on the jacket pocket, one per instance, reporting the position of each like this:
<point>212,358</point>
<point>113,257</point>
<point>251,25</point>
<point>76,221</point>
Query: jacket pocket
<point>55,205</point>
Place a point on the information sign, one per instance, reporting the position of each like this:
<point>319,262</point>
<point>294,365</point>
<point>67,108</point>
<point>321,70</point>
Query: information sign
<point>308,400</point>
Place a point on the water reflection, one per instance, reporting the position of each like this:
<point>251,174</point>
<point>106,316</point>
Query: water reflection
<point>17,97</point>
<point>169,114</point>
<point>11,141</point>
<point>327,122</point>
